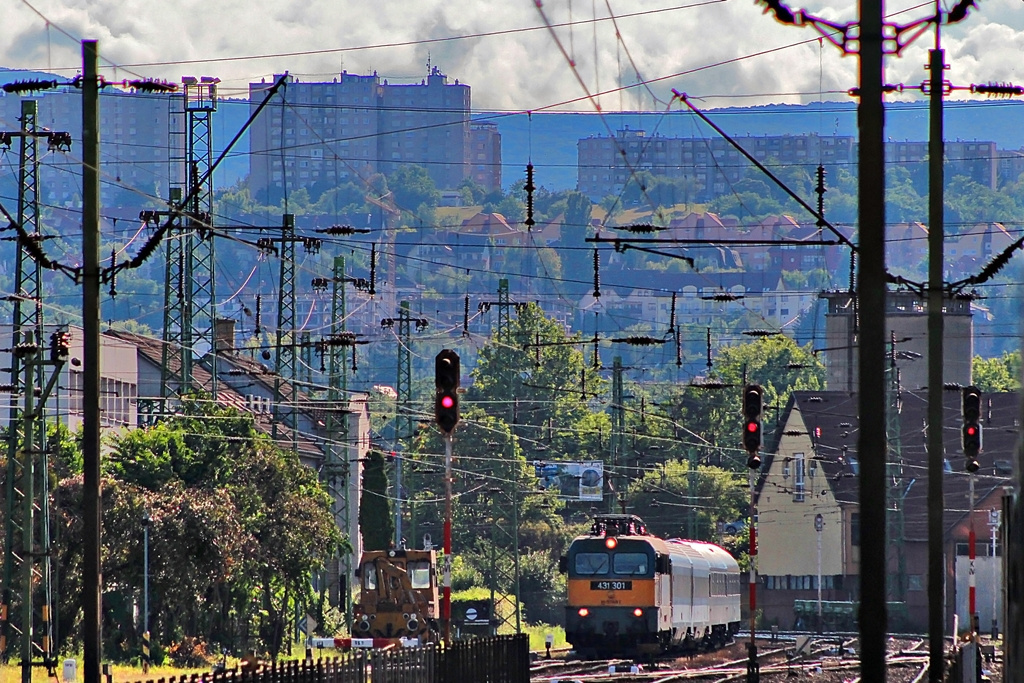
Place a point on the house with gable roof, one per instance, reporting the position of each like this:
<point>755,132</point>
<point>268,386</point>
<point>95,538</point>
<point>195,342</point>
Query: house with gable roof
<point>812,467</point>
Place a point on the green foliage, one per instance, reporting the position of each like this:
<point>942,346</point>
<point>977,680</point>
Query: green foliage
<point>677,502</point>
<point>376,522</point>
<point>541,588</point>
<point>997,374</point>
<point>237,527</point>
<point>412,187</point>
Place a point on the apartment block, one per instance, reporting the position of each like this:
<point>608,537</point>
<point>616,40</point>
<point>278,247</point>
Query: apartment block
<point>711,167</point>
<point>318,135</point>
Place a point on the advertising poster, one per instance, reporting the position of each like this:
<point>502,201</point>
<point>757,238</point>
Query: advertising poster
<point>574,480</point>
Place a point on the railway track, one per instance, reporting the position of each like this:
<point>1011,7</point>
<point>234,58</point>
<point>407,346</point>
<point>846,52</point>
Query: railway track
<point>826,659</point>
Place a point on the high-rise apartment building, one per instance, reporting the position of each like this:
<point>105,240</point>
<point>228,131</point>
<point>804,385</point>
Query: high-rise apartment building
<point>711,167</point>
<point>318,135</point>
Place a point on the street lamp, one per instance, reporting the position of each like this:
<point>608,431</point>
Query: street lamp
<point>145,590</point>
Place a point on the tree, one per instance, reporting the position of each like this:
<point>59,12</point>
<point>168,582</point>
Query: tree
<point>677,502</point>
<point>238,527</point>
<point>997,374</point>
<point>375,517</point>
<point>413,186</point>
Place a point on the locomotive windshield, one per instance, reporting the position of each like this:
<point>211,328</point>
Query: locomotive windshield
<point>630,563</point>
<point>419,574</point>
<point>590,564</point>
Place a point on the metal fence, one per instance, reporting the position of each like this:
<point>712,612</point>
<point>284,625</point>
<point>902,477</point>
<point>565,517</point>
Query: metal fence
<point>500,659</point>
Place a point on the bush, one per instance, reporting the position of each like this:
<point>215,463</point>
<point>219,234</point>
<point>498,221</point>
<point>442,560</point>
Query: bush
<point>190,653</point>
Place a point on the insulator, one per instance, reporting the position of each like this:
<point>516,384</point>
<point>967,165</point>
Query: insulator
<point>320,283</point>
<point>59,142</point>
<point>597,274</point>
<point>373,269</point>
<point>529,187</point>
<point>150,86</point>
<point>113,273</point>
<point>998,89</point>
<point>820,190</point>
<point>465,316</point>
<point>643,228</point>
<point>5,139</point>
<point>672,314</point>
<point>21,87</point>
<point>259,315</point>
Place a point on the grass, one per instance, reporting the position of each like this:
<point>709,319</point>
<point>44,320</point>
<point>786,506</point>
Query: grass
<point>539,632</point>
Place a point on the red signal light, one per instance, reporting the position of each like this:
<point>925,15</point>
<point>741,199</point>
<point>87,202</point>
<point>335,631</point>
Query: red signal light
<point>972,430</point>
<point>751,426</point>
<point>447,402</point>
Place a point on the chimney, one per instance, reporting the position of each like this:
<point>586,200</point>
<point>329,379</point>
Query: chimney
<point>224,335</point>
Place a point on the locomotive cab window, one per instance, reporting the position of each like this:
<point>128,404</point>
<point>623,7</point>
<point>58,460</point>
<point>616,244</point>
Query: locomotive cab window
<point>419,574</point>
<point>633,564</point>
<point>370,576</point>
<point>589,564</point>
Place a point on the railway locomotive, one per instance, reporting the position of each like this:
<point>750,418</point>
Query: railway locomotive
<point>398,595</point>
<point>629,591</point>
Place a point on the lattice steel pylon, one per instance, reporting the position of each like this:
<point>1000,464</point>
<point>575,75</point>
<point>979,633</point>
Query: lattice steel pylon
<point>189,292</point>
<point>284,365</point>
<point>403,411</point>
<point>505,502</point>
<point>338,469</point>
<point>26,596</point>
<point>896,491</point>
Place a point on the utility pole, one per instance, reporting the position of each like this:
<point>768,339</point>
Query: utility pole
<point>27,484</point>
<point>28,466</point>
<point>894,501</point>
<point>936,454</point>
<point>284,364</point>
<point>505,510</point>
<point>618,431</point>
<point>190,268</point>
<point>403,387</point>
<point>91,576</point>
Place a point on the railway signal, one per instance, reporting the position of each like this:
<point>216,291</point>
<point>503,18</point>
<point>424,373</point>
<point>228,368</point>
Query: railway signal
<point>446,399</point>
<point>971,432</point>
<point>753,399</point>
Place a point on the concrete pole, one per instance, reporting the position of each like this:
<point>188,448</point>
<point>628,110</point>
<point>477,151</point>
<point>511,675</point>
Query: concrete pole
<point>936,455</point>
<point>92,523</point>
<point>871,294</point>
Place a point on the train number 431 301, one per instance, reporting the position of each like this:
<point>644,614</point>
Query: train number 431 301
<point>611,585</point>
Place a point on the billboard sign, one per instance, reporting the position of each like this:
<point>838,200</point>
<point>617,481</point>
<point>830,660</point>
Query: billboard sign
<point>572,480</point>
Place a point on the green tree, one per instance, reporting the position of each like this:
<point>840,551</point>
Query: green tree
<point>375,517</point>
<point>997,374</point>
<point>677,502</point>
<point>413,186</point>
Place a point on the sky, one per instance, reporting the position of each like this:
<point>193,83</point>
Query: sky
<point>517,55</point>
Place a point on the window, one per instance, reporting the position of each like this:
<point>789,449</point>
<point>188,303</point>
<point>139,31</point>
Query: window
<point>630,563</point>
<point>588,564</point>
<point>419,574</point>
<point>854,528</point>
<point>370,576</point>
<point>799,465</point>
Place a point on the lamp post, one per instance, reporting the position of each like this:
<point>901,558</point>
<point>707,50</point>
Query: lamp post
<point>819,524</point>
<point>145,590</point>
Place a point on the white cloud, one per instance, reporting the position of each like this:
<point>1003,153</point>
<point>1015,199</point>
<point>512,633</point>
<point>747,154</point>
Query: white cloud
<point>522,70</point>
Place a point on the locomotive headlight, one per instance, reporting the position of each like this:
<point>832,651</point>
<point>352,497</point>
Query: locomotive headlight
<point>638,612</point>
<point>611,542</point>
<point>583,611</point>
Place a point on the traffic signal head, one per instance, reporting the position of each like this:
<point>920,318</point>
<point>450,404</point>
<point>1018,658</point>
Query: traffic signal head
<point>753,396</point>
<point>971,431</point>
<point>60,345</point>
<point>446,398</point>
<point>754,461</point>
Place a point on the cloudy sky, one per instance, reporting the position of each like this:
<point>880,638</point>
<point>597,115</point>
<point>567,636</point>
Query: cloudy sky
<point>514,55</point>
